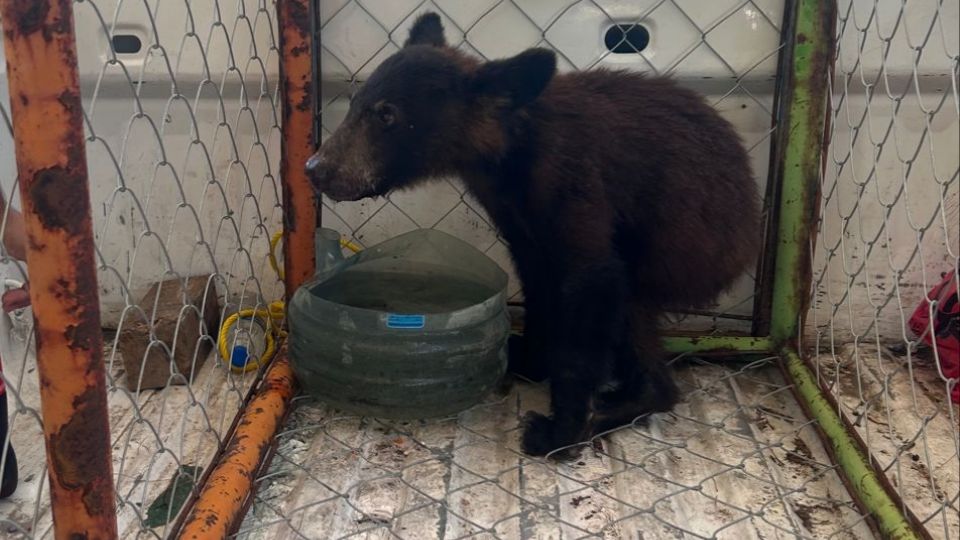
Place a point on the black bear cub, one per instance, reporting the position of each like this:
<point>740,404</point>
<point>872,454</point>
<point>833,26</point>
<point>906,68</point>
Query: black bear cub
<point>619,194</point>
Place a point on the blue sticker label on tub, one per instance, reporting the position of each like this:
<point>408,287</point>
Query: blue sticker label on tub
<point>405,321</point>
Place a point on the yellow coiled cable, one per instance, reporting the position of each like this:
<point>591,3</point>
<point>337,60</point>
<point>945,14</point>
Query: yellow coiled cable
<point>270,317</point>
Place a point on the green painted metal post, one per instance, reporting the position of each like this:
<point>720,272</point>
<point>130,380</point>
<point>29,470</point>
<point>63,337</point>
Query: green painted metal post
<point>801,135</point>
<point>727,345</point>
<point>861,477</point>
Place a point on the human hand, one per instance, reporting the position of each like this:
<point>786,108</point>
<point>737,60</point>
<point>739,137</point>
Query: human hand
<point>15,299</point>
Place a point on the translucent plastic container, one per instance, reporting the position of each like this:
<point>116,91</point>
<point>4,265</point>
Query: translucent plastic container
<point>415,327</point>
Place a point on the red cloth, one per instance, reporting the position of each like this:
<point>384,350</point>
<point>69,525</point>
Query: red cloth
<point>13,299</point>
<point>941,328</point>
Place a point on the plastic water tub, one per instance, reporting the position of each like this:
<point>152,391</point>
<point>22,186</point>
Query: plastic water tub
<point>414,327</point>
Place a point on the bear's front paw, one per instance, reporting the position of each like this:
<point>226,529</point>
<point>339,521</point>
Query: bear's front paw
<point>539,439</point>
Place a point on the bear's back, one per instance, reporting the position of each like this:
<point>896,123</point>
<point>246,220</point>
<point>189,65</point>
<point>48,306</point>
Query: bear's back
<point>673,172</point>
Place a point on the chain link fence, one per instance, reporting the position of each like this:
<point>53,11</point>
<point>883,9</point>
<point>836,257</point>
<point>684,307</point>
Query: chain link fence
<point>887,235</point>
<point>22,436</point>
<point>181,118</point>
<point>737,459</point>
<point>700,44</point>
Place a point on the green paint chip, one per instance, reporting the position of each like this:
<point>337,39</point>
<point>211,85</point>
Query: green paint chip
<point>168,504</point>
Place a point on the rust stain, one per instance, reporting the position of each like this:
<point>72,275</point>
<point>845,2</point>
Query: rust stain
<point>34,16</point>
<point>69,99</point>
<point>29,16</point>
<point>54,196</point>
<point>79,337</point>
<point>78,445</point>
<point>821,62</point>
<point>298,17</point>
<point>86,334</point>
<point>300,49</point>
<point>289,217</point>
<point>305,104</point>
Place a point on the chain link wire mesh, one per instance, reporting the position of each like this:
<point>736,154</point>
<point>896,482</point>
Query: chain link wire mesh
<point>700,43</point>
<point>736,459</point>
<point>181,117</point>
<point>18,402</point>
<point>888,233</point>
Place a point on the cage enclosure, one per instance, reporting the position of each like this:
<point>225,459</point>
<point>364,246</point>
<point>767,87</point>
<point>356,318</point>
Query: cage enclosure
<point>153,153</point>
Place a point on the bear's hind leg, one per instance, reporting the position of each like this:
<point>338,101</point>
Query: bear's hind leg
<point>644,382</point>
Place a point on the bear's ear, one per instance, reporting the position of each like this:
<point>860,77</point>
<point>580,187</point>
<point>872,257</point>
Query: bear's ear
<point>427,30</point>
<point>519,79</point>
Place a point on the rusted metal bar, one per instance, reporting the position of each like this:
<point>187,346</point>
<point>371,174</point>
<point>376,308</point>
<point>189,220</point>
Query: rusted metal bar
<point>219,508</point>
<point>51,162</point>
<point>296,142</point>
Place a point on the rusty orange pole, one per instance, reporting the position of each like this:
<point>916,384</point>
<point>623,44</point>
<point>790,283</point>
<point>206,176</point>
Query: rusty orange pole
<point>51,161</point>
<point>219,508</point>
<point>296,142</point>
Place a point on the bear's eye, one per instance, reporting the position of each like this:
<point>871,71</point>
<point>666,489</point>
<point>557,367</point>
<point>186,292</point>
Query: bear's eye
<point>386,113</point>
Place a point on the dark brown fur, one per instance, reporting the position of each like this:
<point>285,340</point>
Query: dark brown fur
<point>619,195</point>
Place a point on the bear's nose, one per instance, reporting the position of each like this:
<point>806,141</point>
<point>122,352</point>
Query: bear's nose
<point>318,170</point>
<point>313,163</point>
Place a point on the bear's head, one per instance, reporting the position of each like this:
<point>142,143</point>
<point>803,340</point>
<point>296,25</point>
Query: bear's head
<point>427,111</point>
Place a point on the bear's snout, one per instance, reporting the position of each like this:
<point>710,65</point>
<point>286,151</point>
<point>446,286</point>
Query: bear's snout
<point>314,163</point>
<point>319,171</point>
<point>336,182</point>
